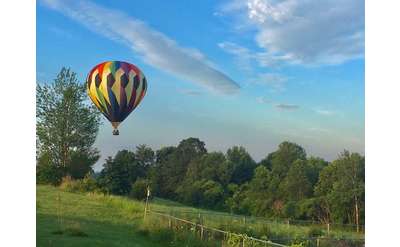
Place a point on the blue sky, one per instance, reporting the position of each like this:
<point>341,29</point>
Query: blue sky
<point>243,72</point>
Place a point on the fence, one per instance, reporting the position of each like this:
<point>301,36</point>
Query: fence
<point>216,228</point>
<point>328,227</point>
<point>206,233</point>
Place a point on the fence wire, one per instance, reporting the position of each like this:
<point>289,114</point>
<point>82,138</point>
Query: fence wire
<point>206,233</point>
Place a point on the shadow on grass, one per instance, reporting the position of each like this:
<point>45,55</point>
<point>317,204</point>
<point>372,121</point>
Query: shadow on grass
<point>76,231</point>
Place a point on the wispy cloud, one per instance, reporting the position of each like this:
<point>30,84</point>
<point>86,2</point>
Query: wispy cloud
<point>306,32</point>
<point>263,100</point>
<point>191,92</point>
<point>274,80</point>
<point>325,112</point>
<point>246,57</point>
<point>155,48</point>
<point>318,130</point>
<point>61,32</point>
<point>288,107</point>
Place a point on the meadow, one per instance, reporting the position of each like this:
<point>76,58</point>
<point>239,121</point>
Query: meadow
<point>94,219</point>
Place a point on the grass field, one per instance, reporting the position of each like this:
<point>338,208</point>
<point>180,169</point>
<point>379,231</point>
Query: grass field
<point>90,219</point>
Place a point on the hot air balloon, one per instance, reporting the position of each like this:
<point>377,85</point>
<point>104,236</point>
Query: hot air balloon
<point>116,88</point>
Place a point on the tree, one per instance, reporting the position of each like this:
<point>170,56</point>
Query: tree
<point>145,156</point>
<point>66,122</point>
<point>241,163</point>
<point>46,173</point>
<point>158,172</point>
<point>81,163</point>
<point>259,191</point>
<point>296,185</point>
<point>341,188</point>
<point>174,163</point>
<point>139,189</point>
<point>208,166</point>
<point>283,158</point>
<point>314,167</point>
<point>114,178</point>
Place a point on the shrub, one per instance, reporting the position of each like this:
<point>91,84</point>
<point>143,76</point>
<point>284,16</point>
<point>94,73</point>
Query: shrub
<point>315,231</point>
<point>46,172</point>
<point>87,184</point>
<point>139,189</point>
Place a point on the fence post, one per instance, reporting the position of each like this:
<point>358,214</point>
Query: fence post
<point>317,241</point>
<point>201,232</point>
<point>328,228</point>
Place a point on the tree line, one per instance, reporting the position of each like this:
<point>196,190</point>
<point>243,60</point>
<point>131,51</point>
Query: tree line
<point>285,184</point>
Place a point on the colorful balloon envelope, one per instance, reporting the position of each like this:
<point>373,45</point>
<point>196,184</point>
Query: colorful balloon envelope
<point>116,88</point>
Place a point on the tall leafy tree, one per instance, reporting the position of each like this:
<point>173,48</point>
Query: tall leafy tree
<point>81,163</point>
<point>284,157</point>
<point>342,190</point>
<point>145,155</point>
<point>296,185</point>
<point>65,121</point>
<point>116,176</point>
<point>314,167</point>
<point>188,150</point>
<point>160,170</point>
<point>241,163</point>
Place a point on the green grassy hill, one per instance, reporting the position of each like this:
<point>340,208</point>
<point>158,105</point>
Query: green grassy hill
<point>87,220</point>
<point>90,219</point>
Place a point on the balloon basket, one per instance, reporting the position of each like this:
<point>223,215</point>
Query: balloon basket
<point>115,132</point>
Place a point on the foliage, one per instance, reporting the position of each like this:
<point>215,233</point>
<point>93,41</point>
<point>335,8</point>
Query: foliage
<point>285,184</point>
<point>81,163</point>
<point>66,127</point>
<point>139,189</point>
<point>341,189</point>
<point>87,184</point>
<point>46,172</point>
<point>241,163</point>
<point>115,176</point>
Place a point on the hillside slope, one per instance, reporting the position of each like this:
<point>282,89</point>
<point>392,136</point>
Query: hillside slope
<point>87,220</point>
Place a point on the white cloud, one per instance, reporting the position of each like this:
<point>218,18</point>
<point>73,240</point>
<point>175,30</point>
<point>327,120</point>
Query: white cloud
<point>190,92</point>
<point>61,32</point>
<point>289,107</point>
<point>263,100</point>
<point>155,48</point>
<point>274,80</point>
<point>325,112</point>
<point>305,31</point>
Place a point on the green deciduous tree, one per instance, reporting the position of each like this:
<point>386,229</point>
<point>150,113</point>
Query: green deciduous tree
<point>284,157</point>
<point>241,163</point>
<point>115,176</point>
<point>66,122</point>
<point>81,163</point>
<point>341,189</point>
<point>296,185</point>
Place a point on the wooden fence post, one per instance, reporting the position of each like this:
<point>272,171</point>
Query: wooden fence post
<point>318,242</point>
<point>328,228</point>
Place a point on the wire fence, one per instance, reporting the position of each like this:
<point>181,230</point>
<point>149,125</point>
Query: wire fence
<point>207,233</point>
<point>233,230</point>
<point>328,227</point>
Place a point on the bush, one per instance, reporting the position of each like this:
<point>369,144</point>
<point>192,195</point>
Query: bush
<point>46,172</point>
<point>139,189</point>
<point>315,232</point>
<point>87,184</point>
